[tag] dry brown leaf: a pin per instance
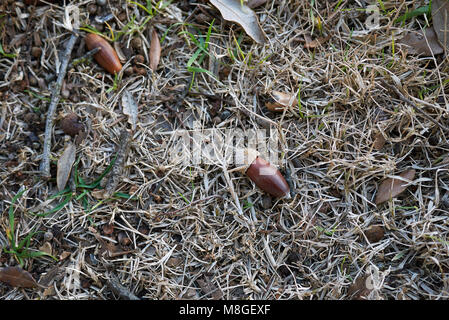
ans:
(256, 3)
(417, 44)
(374, 233)
(65, 164)
(390, 188)
(312, 44)
(155, 50)
(17, 277)
(281, 101)
(358, 290)
(232, 10)
(440, 18)
(379, 141)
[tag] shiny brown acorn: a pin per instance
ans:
(268, 178)
(106, 57)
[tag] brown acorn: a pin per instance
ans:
(106, 57)
(268, 178)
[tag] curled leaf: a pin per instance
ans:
(390, 188)
(233, 10)
(155, 50)
(281, 101)
(65, 164)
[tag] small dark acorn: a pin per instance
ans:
(268, 178)
(106, 57)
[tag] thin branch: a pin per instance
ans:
(55, 96)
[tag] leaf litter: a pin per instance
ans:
(328, 149)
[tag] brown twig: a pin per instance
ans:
(55, 96)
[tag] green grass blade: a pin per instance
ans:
(414, 13)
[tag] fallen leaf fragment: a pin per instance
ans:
(256, 3)
(65, 164)
(17, 277)
(390, 188)
(233, 10)
(374, 233)
(358, 289)
(440, 18)
(130, 108)
(281, 101)
(312, 44)
(417, 43)
(155, 50)
(379, 141)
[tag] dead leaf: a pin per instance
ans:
(374, 233)
(312, 44)
(130, 108)
(440, 18)
(417, 44)
(17, 277)
(379, 141)
(390, 188)
(65, 164)
(155, 50)
(358, 289)
(209, 288)
(281, 101)
(46, 247)
(256, 3)
(232, 10)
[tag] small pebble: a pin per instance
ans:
(101, 2)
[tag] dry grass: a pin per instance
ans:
(311, 246)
